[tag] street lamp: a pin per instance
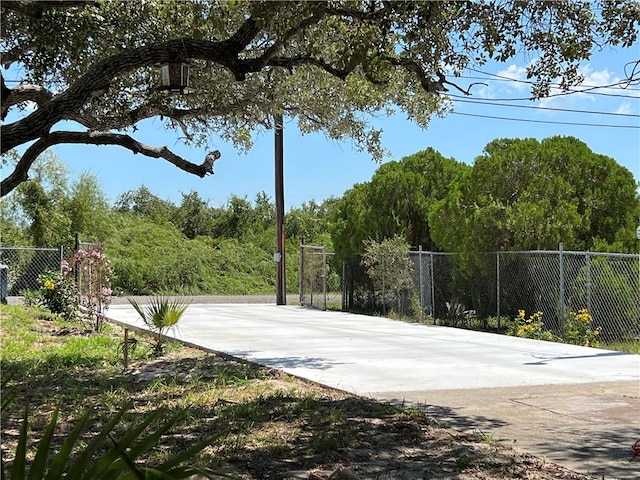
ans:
(175, 77)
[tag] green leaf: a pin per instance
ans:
(19, 463)
(190, 452)
(80, 464)
(153, 439)
(107, 466)
(39, 465)
(62, 457)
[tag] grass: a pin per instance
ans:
(274, 424)
(52, 364)
(628, 346)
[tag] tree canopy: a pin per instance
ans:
(520, 194)
(397, 201)
(96, 63)
(525, 194)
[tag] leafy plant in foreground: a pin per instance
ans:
(104, 457)
(160, 315)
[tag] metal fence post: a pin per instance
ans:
(324, 276)
(301, 274)
(76, 270)
(433, 289)
(562, 313)
(420, 280)
(344, 286)
(498, 286)
(384, 302)
(588, 280)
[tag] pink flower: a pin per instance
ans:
(106, 291)
(66, 268)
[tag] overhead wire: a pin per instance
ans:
(632, 78)
(461, 99)
(560, 94)
(527, 120)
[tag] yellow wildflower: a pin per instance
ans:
(49, 284)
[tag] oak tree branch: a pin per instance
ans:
(20, 172)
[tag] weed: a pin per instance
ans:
(463, 462)
(628, 346)
(487, 438)
(331, 440)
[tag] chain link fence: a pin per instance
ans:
(320, 278)
(557, 283)
(488, 290)
(26, 264)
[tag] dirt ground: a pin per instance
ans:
(348, 437)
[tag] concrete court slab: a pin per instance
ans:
(364, 355)
(577, 406)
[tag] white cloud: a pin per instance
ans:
(498, 85)
(595, 82)
(515, 72)
(624, 108)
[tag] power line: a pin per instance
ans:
(509, 79)
(627, 81)
(461, 99)
(546, 121)
(588, 89)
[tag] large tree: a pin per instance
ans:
(50, 209)
(396, 202)
(527, 194)
(324, 63)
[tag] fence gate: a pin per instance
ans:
(320, 278)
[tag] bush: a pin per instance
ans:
(58, 293)
(532, 327)
(578, 329)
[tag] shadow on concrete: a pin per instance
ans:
(544, 360)
(316, 363)
(604, 453)
(450, 417)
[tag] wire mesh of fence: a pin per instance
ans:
(488, 290)
(26, 264)
(320, 278)
(556, 283)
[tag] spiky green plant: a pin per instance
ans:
(104, 457)
(160, 315)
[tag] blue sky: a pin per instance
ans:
(317, 168)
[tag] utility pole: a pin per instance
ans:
(279, 256)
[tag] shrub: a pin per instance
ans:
(160, 316)
(93, 271)
(578, 329)
(532, 327)
(58, 293)
(389, 268)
